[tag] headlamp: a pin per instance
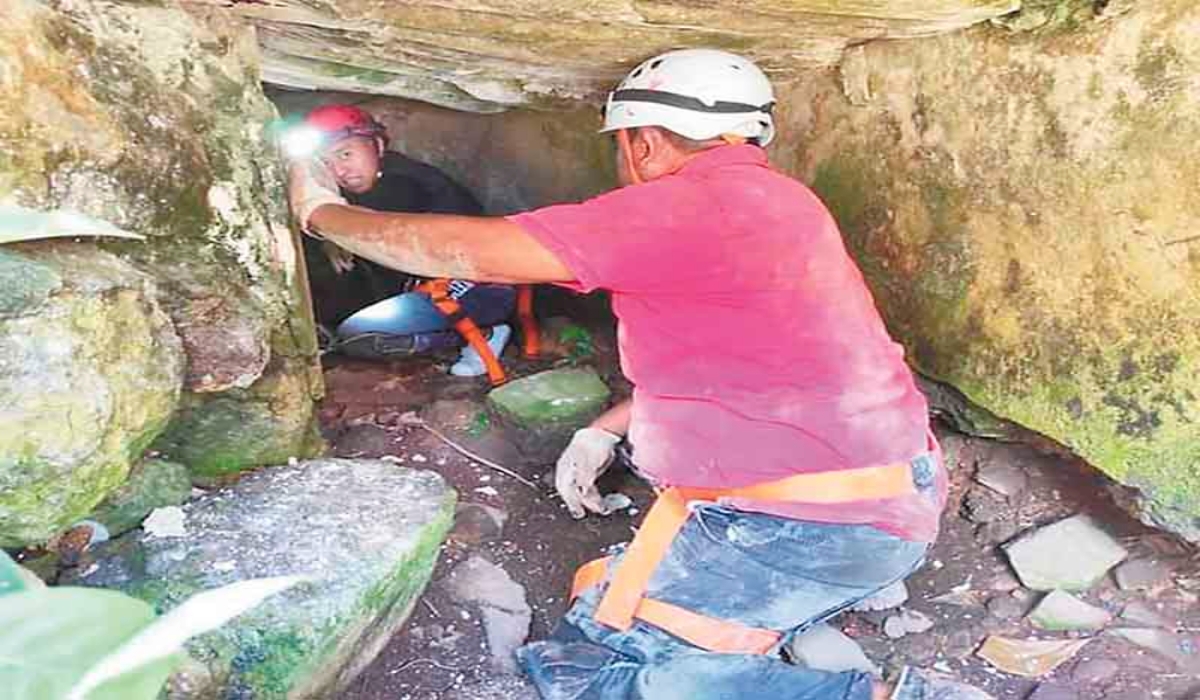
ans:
(301, 141)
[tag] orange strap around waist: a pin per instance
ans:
(625, 597)
(439, 295)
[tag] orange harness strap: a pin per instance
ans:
(439, 294)
(531, 336)
(625, 597)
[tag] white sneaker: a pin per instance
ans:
(470, 364)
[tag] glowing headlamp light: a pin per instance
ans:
(301, 141)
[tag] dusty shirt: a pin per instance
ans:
(753, 343)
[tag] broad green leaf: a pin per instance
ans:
(50, 638)
(11, 580)
(19, 223)
(199, 614)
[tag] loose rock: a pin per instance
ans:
(1179, 649)
(1140, 614)
(1053, 691)
(155, 483)
(825, 648)
(501, 601)
(1005, 478)
(906, 622)
(1060, 612)
(1094, 671)
(1139, 574)
(1071, 555)
(1030, 658)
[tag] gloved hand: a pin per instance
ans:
(310, 185)
(587, 457)
(341, 259)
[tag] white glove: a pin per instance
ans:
(341, 259)
(310, 185)
(587, 457)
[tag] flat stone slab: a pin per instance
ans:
(543, 410)
(1061, 612)
(1070, 555)
(365, 532)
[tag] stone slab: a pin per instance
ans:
(1071, 555)
(366, 533)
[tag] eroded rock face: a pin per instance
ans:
(153, 119)
(90, 372)
(488, 55)
(1025, 209)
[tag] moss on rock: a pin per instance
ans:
(1023, 207)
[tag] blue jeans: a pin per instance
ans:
(758, 570)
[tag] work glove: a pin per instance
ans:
(339, 258)
(310, 185)
(587, 457)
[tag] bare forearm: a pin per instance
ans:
(440, 245)
(616, 419)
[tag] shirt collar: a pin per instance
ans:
(745, 154)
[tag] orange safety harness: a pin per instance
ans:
(439, 294)
(625, 597)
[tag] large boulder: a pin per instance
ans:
(152, 119)
(365, 532)
(1025, 208)
(90, 372)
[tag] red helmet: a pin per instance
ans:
(336, 122)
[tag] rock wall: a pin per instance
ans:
(151, 119)
(1025, 206)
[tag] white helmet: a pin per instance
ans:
(697, 93)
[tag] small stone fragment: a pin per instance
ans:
(825, 648)
(906, 622)
(1094, 671)
(1006, 607)
(1179, 649)
(1030, 658)
(1139, 574)
(475, 523)
(1005, 478)
(1053, 691)
(165, 522)
(893, 596)
(1140, 614)
(501, 601)
(1071, 555)
(1062, 612)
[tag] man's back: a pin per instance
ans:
(753, 342)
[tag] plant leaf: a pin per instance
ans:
(53, 636)
(11, 580)
(199, 614)
(18, 223)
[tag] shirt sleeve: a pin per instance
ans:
(620, 241)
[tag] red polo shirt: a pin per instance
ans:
(753, 343)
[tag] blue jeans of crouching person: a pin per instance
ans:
(757, 570)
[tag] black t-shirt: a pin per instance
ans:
(407, 186)
(410, 186)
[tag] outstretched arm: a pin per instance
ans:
(483, 249)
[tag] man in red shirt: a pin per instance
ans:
(792, 450)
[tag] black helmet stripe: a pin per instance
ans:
(672, 99)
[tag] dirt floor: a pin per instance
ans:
(966, 590)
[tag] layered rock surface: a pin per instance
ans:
(365, 532)
(153, 120)
(90, 372)
(488, 55)
(1024, 207)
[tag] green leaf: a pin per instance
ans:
(52, 637)
(201, 613)
(11, 580)
(19, 223)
